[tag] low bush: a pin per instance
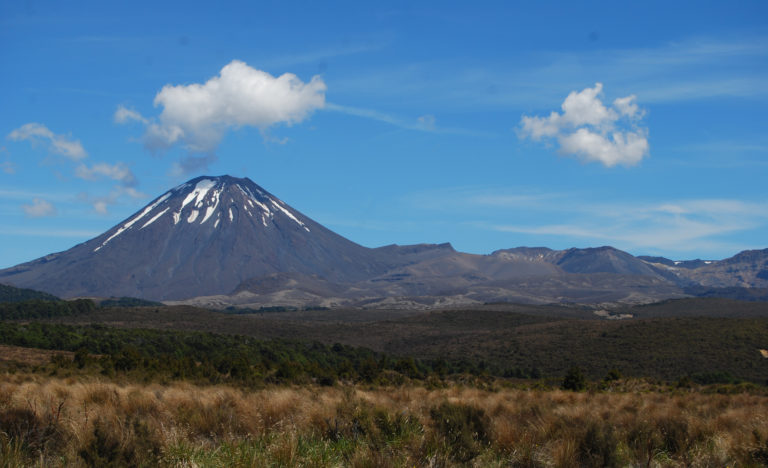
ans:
(464, 429)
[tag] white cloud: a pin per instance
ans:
(100, 207)
(591, 131)
(124, 115)
(626, 148)
(37, 133)
(39, 208)
(198, 115)
(628, 107)
(58, 144)
(162, 137)
(586, 108)
(118, 172)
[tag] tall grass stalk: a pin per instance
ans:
(55, 422)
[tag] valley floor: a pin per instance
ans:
(50, 421)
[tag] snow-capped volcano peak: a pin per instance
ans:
(218, 201)
(203, 237)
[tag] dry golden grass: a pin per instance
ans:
(55, 422)
(32, 356)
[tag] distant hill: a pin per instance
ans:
(689, 264)
(747, 269)
(225, 241)
(13, 294)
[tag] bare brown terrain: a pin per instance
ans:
(31, 356)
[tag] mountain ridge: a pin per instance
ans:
(228, 238)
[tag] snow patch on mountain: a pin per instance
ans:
(154, 218)
(130, 223)
(204, 199)
(289, 214)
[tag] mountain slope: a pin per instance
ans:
(203, 237)
(747, 269)
(225, 240)
(590, 260)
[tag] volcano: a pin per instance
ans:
(204, 237)
(223, 240)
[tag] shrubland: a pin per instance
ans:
(87, 385)
(49, 421)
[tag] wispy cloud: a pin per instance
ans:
(21, 194)
(644, 226)
(693, 69)
(124, 115)
(76, 156)
(381, 117)
(101, 203)
(422, 123)
(6, 165)
(324, 54)
(47, 232)
(39, 208)
(118, 172)
(723, 146)
(471, 198)
(677, 225)
(689, 90)
(36, 133)
(191, 164)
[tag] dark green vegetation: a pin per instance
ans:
(209, 358)
(741, 294)
(705, 340)
(40, 309)
(128, 302)
(11, 294)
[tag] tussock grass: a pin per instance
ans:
(47, 421)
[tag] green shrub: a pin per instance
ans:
(464, 429)
(574, 380)
(612, 375)
(393, 427)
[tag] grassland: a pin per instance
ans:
(53, 422)
(682, 383)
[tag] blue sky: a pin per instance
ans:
(486, 124)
